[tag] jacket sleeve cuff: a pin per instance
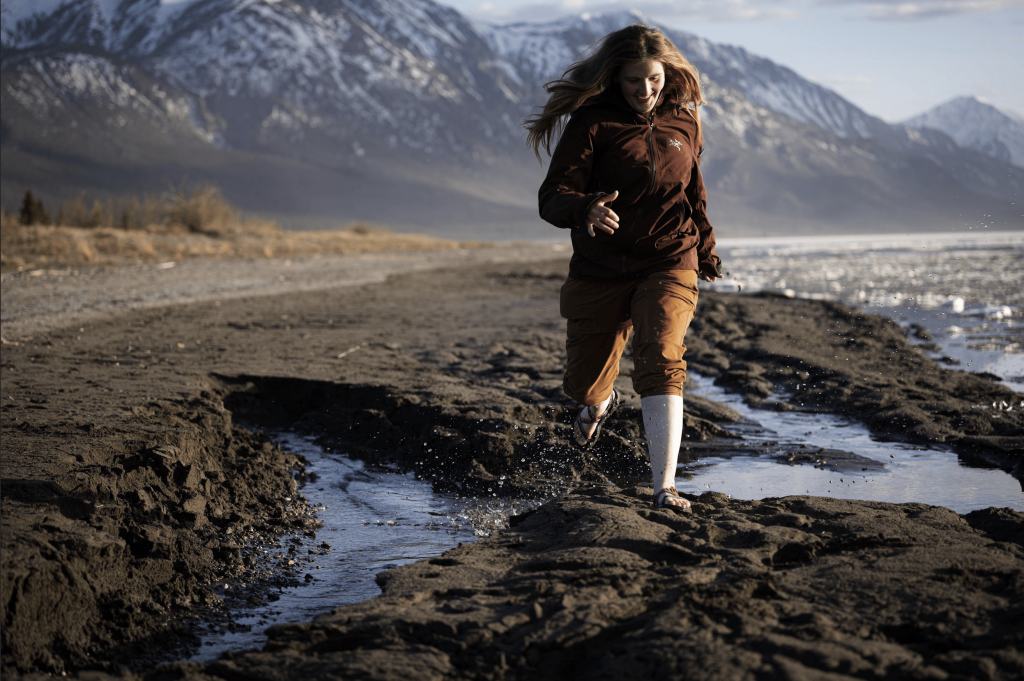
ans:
(711, 265)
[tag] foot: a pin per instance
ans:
(587, 425)
(669, 498)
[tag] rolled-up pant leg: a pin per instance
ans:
(597, 327)
(662, 308)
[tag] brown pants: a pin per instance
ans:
(600, 314)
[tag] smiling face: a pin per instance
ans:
(642, 83)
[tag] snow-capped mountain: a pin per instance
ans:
(976, 124)
(404, 111)
(542, 51)
(318, 65)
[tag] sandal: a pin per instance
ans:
(579, 432)
(662, 497)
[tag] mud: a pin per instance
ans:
(137, 479)
(108, 546)
(601, 586)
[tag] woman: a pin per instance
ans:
(625, 178)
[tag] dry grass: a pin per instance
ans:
(196, 224)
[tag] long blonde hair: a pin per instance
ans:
(593, 74)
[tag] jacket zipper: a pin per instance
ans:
(650, 189)
(650, 148)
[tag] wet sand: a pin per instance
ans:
(134, 459)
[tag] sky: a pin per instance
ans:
(892, 59)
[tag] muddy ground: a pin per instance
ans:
(137, 476)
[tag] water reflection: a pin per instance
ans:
(899, 472)
(373, 520)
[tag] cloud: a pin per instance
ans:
(734, 11)
(921, 9)
(695, 11)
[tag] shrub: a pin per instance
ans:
(76, 212)
(32, 211)
(203, 210)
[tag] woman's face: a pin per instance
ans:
(642, 83)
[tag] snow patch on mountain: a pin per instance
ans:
(543, 51)
(976, 124)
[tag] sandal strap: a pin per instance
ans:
(582, 421)
(666, 492)
(590, 418)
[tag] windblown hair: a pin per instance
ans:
(589, 77)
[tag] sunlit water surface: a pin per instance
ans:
(965, 289)
(373, 520)
(897, 472)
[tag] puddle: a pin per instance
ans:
(972, 342)
(373, 520)
(899, 472)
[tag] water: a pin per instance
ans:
(975, 342)
(897, 472)
(374, 520)
(966, 289)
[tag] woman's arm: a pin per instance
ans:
(709, 264)
(562, 198)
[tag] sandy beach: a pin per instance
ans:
(137, 467)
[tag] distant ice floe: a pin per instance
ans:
(965, 289)
(954, 303)
(995, 312)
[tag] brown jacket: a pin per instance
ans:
(654, 165)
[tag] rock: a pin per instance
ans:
(195, 504)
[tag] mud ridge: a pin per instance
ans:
(111, 559)
(598, 585)
(516, 448)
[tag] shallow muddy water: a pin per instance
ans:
(373, 520)
(896, 472)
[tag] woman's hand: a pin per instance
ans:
(601, 216)
(711, 270)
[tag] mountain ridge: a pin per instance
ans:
(380, 106)
(976, 124)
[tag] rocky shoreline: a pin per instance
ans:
(136, 475)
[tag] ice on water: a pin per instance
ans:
(967, 290)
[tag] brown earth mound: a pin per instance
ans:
(128, 527)
(130, 486)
